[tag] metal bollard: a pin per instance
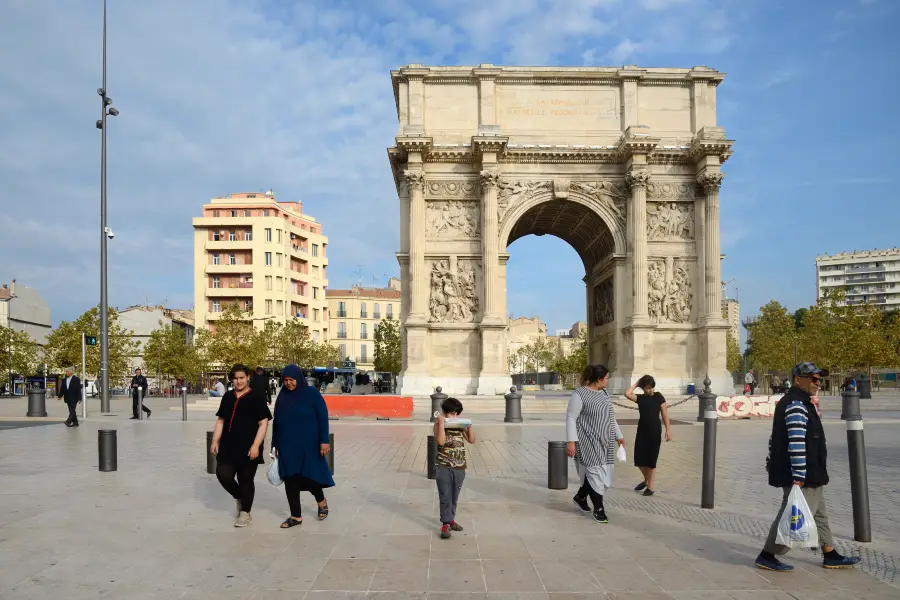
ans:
(37, 403)
(513, 406)
(431, 457)
(330, 456)
(210, 457)
(706, 400)
(859, 479)
(184, 404)
(557, 466)
(106, 447)
(436, 398)
(140, 394)
(710, 422)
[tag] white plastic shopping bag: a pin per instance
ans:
(797, 528)
(620, 454)
(272, 474)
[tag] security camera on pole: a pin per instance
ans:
(106, 108)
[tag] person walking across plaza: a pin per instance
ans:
(243, 419)
(797, 456)
(139, 382)
(450, 464)
(70, 392)
(750, 381)
(651, 405)
(260, 383)
(593, 435)
(300, 443)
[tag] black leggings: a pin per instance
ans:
(295, 484)
(242, 489)
(586, 490)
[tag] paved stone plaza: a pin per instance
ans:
(161, 527)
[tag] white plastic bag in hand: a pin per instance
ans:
(620, 454)
(272, 474)
(797, 528)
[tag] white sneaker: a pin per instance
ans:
(238, 508)
(243, 519)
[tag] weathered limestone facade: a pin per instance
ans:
(622, 163)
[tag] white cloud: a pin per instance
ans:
(624, 50)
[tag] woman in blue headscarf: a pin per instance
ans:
(300, 441)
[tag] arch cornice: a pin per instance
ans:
(603, 205)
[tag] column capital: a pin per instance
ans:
(710, 180)
(637, 178)
(490, 178)
(415, 179)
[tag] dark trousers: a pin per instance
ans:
(295, 484)
(586, 490)
(449, 484)
(73, 412)
(243, 489)
(134, 406)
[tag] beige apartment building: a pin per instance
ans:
(731, 312)
(354, 315)
(266, 255)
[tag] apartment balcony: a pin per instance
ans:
(342, 314)
(376, 315)
(364, 360)
(226, 245)
(224, 268)
(227, 291)
(342, 335)
(363, 315)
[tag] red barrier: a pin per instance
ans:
(375, 406)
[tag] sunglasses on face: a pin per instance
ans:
(815, 380)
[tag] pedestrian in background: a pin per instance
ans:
(750, 381)
(243, 419)
(260, 384)
(300, 442)
(651, 405)
(139, 382)
(70, 392)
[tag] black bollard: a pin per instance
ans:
(37, 403)
(859, 479)
(557, 466)
(706, 400)
(106, 446)
(710, 422)
(330, 456)
(184, 404)
(513, 406)
(436, 398)
(210, 457)
(430, 466)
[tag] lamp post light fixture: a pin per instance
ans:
(106, 108)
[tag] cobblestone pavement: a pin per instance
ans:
(160, 527)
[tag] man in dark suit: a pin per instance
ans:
(259, 383)
(70, 392)
(139, 382)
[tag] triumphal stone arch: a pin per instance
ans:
(621, 163)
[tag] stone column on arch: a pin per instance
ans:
(490, 179)
(711, 181)
(415, 180)
(637, 179)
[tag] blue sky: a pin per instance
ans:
(218, 96)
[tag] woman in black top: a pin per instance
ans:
(647, 441)
(243, 419)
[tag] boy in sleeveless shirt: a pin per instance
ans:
(450, 471)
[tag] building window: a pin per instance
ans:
(316, 336)
(248, 235)
(279, 236)
(234, 213)
(279, 259)
(342, 348)
(315, 249)
(279, 307)
(363, 353)
(232, 236)
(363, 313)
(216, 306)
(246, 213)
(215, 213)
(376, 311)
(268, 234)
(265, 212)
(248, 306)
(342, 330)
(268, 259)
(363, 331)
(279, 284)
(217, 237)
(217, 282)
(268, 283)
(232, 259)
(390, 311)
(342, 310)
(268, 307)
(315, 293)
(316, 315)
(215, 258)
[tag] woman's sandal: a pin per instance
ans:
(323, 512)
(291, 522)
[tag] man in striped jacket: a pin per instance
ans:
(797, 455)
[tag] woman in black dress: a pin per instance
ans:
(647, 441)
(243, 419)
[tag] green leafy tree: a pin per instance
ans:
(18, 353)
(733, 353)
(236, 340)
(388, 355)
(168, 355)
(63, 347)
(294, 344)
(576, 360)
(773, 336)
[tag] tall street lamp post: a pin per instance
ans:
(106, 108)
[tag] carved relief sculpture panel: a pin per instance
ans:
(606, 193)
(670, 221)
(514, 192)
(604, 311)
(452, 219)
(452, 189)
(669, 284)
(454, 295)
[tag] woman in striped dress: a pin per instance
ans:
(593, 436)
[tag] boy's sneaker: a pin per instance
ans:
(455, 526)
(600, 515)
(243, 519)
(582, 503)
(445, 531)
(772, 564)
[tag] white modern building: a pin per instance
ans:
(23, 309)
(870, 276)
